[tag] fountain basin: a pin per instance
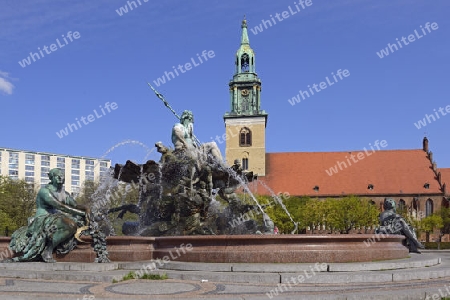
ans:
(283, 248)
(243, 248)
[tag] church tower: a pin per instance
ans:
(245, 123)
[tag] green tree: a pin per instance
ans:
(335, 214)
(341, 214)
(88, 189)
(430, 223)
(118, 195)
(313, 213)
(6, 223)
(276, 212)
(17, 203)
(444, 212)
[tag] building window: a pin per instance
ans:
(13, 160)
(75, 172)
(103, 171)
(75, 163)
(45, 157)
(29, 179)
(245, 137)
(44, 172)
(13, 155)
(14, 166)
(89, 162)
(14, 174)
(245, 63)
(61, 163)
(401, 206)
(245, 164)
(415, 204)
(89, 175)
(29, 159)
(104, 164)
(45, 163)
(428, 207)
(75, 182)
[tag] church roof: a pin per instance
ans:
(383, 172)
(445, 177)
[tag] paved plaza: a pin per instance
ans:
(417, 277)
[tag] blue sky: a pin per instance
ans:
(114, 56)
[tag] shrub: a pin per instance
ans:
(434, 245)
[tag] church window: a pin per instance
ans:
(401, 206)
(245, 164)
(245, 137)
(428, 207)
(415, 204)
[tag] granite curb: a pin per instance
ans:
(417, 267)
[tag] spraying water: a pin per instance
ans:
(103, 197)
(239, 179)
(279, 201)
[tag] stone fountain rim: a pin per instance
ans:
(328, 237)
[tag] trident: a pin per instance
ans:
(161, 97)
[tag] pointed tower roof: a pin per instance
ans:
(245, 42)
(244, 39)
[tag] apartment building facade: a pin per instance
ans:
(33, 167)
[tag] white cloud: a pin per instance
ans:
(5, 86)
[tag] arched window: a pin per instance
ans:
(428, 207)
(415, 204)
(245, 164)
(245, 137)
(245, 63)
(401, 206)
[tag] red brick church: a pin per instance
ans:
(410, 177)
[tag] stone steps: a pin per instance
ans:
(418, 267)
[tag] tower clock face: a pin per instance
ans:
(245, 93)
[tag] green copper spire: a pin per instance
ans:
(245, 87)
(244, 39)
(245, 56)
